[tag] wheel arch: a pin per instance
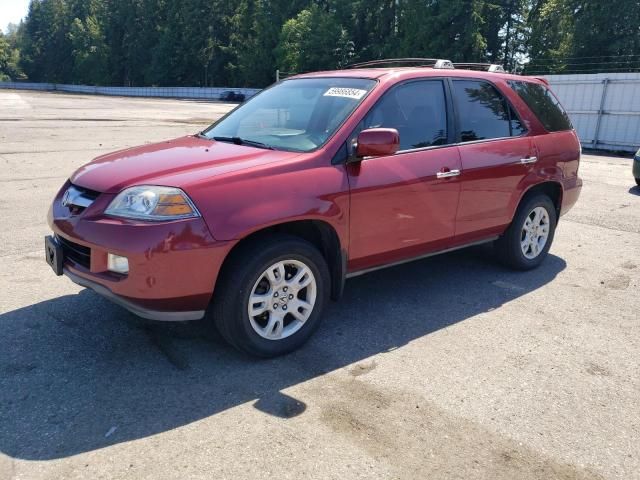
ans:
(553, 189)
(319, 233)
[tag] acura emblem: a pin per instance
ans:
(66, 198)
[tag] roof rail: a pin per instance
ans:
(489, 67)
(428, 62)
(419, 62)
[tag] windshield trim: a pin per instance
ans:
(376, 81)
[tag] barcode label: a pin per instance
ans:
(354, 93)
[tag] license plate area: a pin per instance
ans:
(53, 254)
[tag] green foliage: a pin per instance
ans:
(89, 51)
(254, 37)
(45, 47)
(585, 36)
(552, 39)
(10, 56)
(312, 40)
(243, 42)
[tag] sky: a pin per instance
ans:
(12, 11)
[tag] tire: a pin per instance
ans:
(246, 274)
(513, 243)
(638, 181)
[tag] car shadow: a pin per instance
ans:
(635, 190)
(78, 373)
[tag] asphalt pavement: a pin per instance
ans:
(450, 367)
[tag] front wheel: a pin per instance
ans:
(271, 296)
(528, 239)
(638, 181)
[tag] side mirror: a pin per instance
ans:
(377, 142)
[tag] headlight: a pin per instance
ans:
(152, 203)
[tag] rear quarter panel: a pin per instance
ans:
(558, 159)
(560, 154)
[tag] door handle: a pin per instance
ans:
(526, 161)
(448, 174)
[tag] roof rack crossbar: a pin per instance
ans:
(489, 67)
(425, 62)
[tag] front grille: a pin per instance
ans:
(77, 253)
(78, 199)
(92, 194)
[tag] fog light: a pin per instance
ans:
(117, 264)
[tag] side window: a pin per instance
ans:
(483, 112)
(417, 110)
(544, 104)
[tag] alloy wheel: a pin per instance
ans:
(535, 233)
(282, 299)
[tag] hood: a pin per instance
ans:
(172, 163)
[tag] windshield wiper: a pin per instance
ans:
(243, 141)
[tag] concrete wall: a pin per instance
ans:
(212, 93)
(604, 108)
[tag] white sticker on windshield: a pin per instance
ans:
(354, 93)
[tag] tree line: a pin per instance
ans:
(243, 42)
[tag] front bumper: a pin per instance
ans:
(131, 306)
(173, 266)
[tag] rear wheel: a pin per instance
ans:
(271, 297)
(528, 239)
(638, 181)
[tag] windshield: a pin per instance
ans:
(298, 115)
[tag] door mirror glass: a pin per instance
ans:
(377, 142)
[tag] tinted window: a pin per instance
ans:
(483, 112)
(545, 106)
(417, 110)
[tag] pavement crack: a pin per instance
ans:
(29, 179)
(601, 226)
(17, 152)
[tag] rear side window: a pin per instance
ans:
(544, 104)
(483, 112)
(417, 110)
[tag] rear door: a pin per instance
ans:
(495, 153)
(403, 205)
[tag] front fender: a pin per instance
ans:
(239, 205)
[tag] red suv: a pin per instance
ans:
(319, 178)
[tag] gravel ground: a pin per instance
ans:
(450, 367)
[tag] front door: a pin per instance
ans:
(404, 205)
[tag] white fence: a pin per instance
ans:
(604, 108)
(211, 93)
